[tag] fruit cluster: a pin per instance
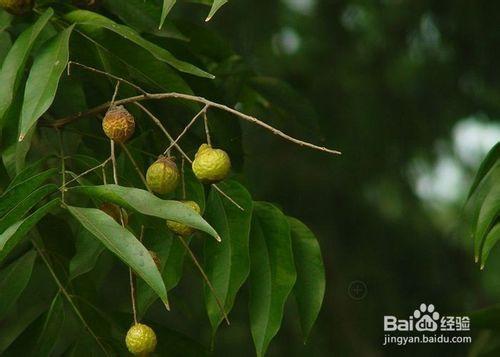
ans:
(162, 177)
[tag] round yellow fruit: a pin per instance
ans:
(162, 176)
(17, 7)
(140, 339)
(182, 229)
(211, 165)
(118, 124)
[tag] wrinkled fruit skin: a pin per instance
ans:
(156, 259)
(140, 339)
(211, 165)
(118, 124)
(17, 7)
(162, 176)
(114, 211)
(182, 229)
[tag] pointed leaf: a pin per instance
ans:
(43, 80)
(15, 233)
(489, 212)
(309, 288)
(143, 16)
(272, 273)
(172, 254)
(20, 208)
(14, 279)
(489, 161)
(52, 326)
(18, 192)
(83, 17)
(30, 171)
(88, 251)
(489, 242)
(167, 6)
(227, 264)
(15, 62)
(146, 203)
(216, 5)
(122, 243)
(16, 323)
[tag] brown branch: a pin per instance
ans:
(184, 131)
(159, 96)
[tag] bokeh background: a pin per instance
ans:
(410, 92)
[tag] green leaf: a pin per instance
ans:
(30, 171)
(143, 16)
(14, 279)
(88, 251)
(21, 190)
(490, 241)
(489, 161)
(146, 203)
(272, 273)
(167, 6)
(489, 212)
(20, 208)
(122, 243)
(88, 18)
(227, 264)
(309, 288)
(15, 62)
(487, 318)
(171, 253)
(51, 329)
(216, 5)
(15, 324)
(15, 233)
(43, 80)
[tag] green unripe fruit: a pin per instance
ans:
(211, 165)
(162, 176)
(118, 124)
(140, 339)
(17, 7)
(182, 229)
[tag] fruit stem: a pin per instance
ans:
(184, 131)
(205, 277)
(141, 175)
(207, 131)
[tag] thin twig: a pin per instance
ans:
(183, 161)
(184, 155)
(92, 69)
(207, 131)
(184, 131)
(102, 164)
(63, 166)
(68, 297)
(227, 196)
(115, 93)
(167, 134)
(113, 161)
(141, 175)
(205, 277)
(193, 98)
(131, 273)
